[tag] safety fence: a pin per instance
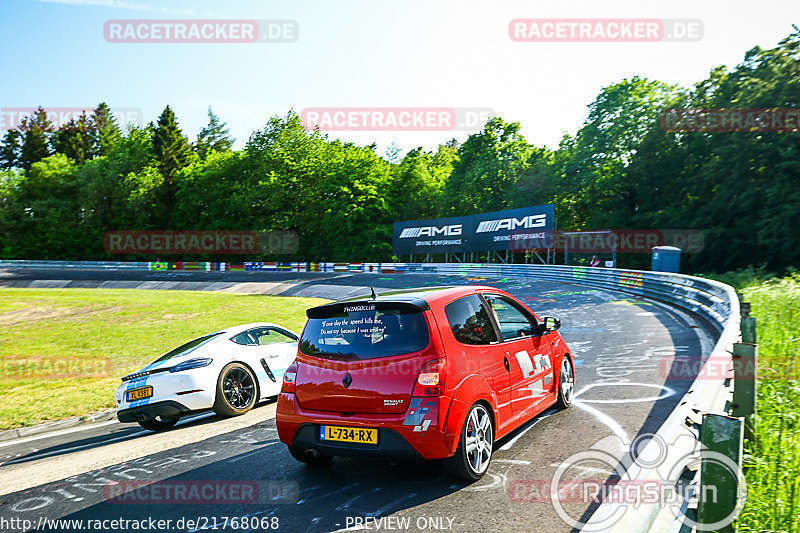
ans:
(709, 404)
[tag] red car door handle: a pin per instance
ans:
(505, 364)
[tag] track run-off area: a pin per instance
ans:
(623, 348)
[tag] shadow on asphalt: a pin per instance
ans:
(126, 432)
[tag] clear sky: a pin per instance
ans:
(363, 53)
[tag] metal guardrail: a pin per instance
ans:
(714, 302)
(73, 265)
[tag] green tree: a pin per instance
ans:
(9, 211)
(74, 139)
(214, 137)
(44, 221)
(105, 132)
(213, 195)
(36, 130)
(595, 170)
(488, 167)
(752, 174)
(10, 150)
(354, 204)
(117, 190)
(171, 152)
(283, 177)
(416, 184)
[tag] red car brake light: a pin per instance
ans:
(289, 378)
(430, 381)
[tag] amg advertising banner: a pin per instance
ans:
(500, 230)
(440, 235)
(512, 229)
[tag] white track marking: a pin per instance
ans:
(508, 445)
(108, 441)
(586, 468)
(666, 392)
(351, 501)
(248, 455)
(20, 476)
(319, 497)
(32, 438)
(612, 424)
(390, 505)
(498, 480)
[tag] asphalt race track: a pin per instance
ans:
(623, 348)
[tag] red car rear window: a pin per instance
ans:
(365, 334)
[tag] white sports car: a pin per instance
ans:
(227, 371)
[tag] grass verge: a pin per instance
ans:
(772, 458)
(62, 351)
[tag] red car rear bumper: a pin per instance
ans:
(413, 434)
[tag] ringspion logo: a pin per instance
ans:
(596, 475)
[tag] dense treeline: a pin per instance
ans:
(61, 189)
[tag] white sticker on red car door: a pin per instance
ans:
(542, 362)
(525, 363)
(537, 387)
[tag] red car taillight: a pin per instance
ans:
(430, 381)
(288, 378)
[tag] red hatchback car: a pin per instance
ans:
(432, 374)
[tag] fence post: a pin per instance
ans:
(720, 480)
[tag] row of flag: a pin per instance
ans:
(264, 266)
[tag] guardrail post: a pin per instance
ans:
(721, 437)
(748, 325)
(745, 383)
(745, 368)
